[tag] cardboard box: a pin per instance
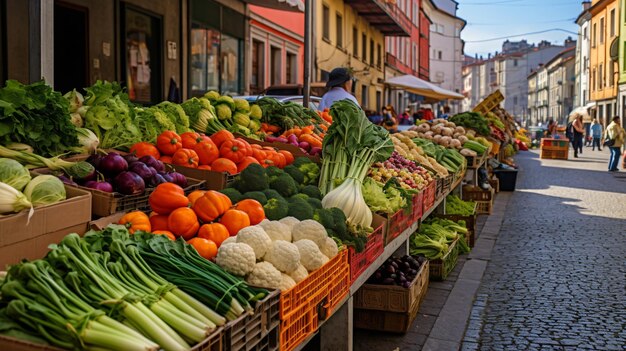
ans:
(20, 238)
(214, 180)
(105, 204)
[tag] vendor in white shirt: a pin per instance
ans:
(340, 84)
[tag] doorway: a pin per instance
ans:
(71, 43)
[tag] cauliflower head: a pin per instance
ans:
(265, 275)
(329, 247)
(257, 238)
(230, 239)
(284, 255)
(277, 230)
(299, 274)
(236, 258)
(286, 282)
(290, 221)
(309, 229)
(310, 255)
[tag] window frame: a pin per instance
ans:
(612, 22)
(355, 41)
(325, 22)
(371, 52)
(602, 28)
(339, 30)
(364, 46)
(258, 44)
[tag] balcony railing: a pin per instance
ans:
(384, 15)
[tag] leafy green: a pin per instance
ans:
(111, 116)
(472, 120)
(38, 116)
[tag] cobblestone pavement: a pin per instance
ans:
(557, 276)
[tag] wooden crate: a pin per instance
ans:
(392, 298)
(554, 153)
(408, 302)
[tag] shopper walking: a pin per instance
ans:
(596, 134)
(614, 139)
(578, 132)
(340, 83)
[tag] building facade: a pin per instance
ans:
(403, 54)
(561, 81)
(582, 56)
(446, 48)
(351, 34)
(603, 55)
(276, 48)
(512, 72)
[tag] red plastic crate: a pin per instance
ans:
(429, 196)
(418, 207)
(396, 224)
(373, 248)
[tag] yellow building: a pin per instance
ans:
(603, 56)
(351, 33)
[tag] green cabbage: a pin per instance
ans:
(45, 190)
(13, 173)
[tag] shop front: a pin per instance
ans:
(216, 48)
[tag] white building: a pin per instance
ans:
(582, 56)
(561, 79)
(512, 71)
(446, 48)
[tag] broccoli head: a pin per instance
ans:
(315, 203)
(299, 196)
(273, 172)
(254, 178)
(341, 227)
(276, 209)
(295, 173)
(242, 105)
(285, 185)
(299, 161)
(300, 209)
(271, 194)
(325, 217)
(255, 195)
(233, 194)
(312, 191)
(311, 173)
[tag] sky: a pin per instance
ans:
(489, 19)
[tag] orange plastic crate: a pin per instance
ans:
(359, 261)
(313, 299)
(312, 290)
(396, 224)
(297, 327)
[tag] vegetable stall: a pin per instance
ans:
(219, 224)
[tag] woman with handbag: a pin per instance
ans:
(614, 139)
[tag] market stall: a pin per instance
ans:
(218, 224)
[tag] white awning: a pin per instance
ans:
(421, 87)
(285, 5)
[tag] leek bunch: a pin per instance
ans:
(351, 145)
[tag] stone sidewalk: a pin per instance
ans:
(548, 271)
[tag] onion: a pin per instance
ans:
(112, 164)
(129, 183)
(153, 162)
